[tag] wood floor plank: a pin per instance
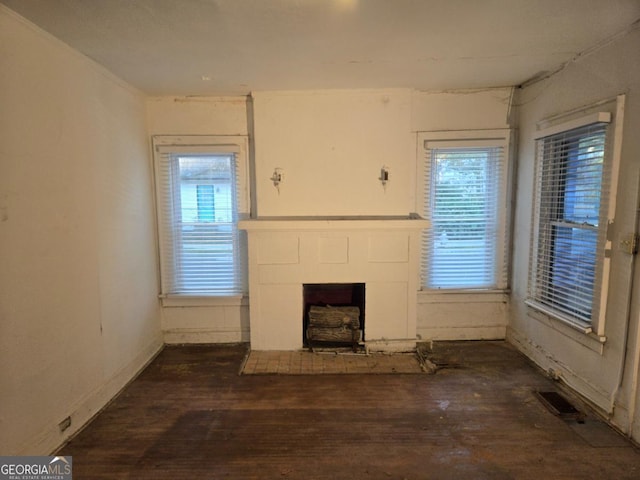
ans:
(190, 415)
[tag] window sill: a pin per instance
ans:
(170, 301)
(581, 334)
(459, 296)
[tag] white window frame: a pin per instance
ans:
(204, 144)
(469, 139)
(606, 217)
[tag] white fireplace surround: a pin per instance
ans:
(383, 252)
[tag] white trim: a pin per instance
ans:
(198, 149)
(500, 134)
(298, 224)
(563, 116)
(169, 301)
(489, 138)
(555, 315)
(429, 296)
(561, 371)
(91, 404)
(465, 143)
(199, 336)
(611, 210)
(598, 117)
(463, 332)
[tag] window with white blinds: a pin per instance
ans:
(465, 186)
(201, 248)
(569, 226)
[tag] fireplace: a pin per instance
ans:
(334, 315)
(379, 254)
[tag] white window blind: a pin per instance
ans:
(569, 222)
(465, 200)
(201, 248)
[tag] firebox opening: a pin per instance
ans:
(333, 314)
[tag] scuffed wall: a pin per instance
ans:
(605, 369)
(331, 145)
(202, 320)
(79, 316)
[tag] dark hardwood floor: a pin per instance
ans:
(189, 415)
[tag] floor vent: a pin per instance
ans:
(560, 406)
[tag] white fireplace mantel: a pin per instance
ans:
(370, 222)
(383, 252)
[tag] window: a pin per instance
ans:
(199, 196)
(206, 201)
(465, 199)
(569, 231)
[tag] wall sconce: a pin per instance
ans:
(384, 176)
(277, 177)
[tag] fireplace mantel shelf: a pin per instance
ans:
(368, 222)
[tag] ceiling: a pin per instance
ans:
(227, 47)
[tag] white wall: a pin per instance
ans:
(78, 309)
(201, 320)
(460, 315)
(593, 369)
(461, 110)
(331, 145)
(197, 115)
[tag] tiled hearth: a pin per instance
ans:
(287, 252)
(273, 362)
